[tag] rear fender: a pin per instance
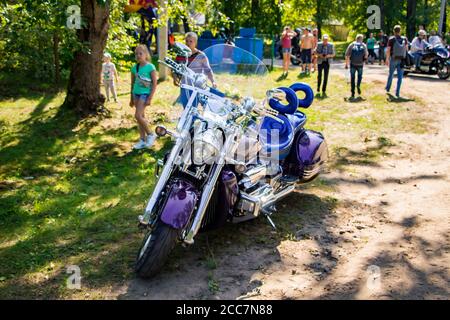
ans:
(307, 156)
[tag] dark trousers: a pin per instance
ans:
(325, 68)
(381, 54)
(353, 70)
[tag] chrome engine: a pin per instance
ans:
(260, 188)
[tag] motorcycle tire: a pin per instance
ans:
(295, 62)
(155, 250)
(444, 75)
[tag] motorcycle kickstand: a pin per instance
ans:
(267, 213)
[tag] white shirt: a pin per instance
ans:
(108, 70)
(418, 45)
(434, 40)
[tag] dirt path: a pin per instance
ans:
(387, 239)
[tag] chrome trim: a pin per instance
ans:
(206, 197)
(184, 125)
(263, 199)
(253, 176)
(229, 147)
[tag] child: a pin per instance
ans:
(143, 86)
(109, 72)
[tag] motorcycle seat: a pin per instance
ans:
(276, 137)
(298, 120)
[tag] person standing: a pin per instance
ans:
(356, 54)
(395, 55)
(286, 44)
(307, 45)
(144, 81)
(315, 33)
(324, 52)
(371, 48)
(109, 73)
(197, 62)
(382, 44)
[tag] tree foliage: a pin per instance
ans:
(35, 42)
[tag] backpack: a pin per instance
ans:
(399, 50)
(358, 54)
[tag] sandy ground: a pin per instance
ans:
(388, 239)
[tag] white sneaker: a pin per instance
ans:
(140, 145)
(150, 141)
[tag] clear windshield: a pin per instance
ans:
(236, 73)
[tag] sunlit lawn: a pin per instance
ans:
(70, 191)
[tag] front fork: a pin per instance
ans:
(186, 121)
(228, 149)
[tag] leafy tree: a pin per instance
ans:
(35, 39)
(83, 92)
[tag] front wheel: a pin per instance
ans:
(155, 249)
(295, 61)
(443, 71)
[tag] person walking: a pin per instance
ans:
(144, 81)
(324, 52)
(355, 55)
(395, 55)
(286, 44)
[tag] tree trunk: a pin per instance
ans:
(279, 17)
(319, 17)
(56, 40)
(254, 21)
(411, 18)
(83, 93)
(381, 5)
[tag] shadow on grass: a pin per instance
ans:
(102, 240)
(369, 156)
(354, 100)
(392, 98)
(16, 86)
(222, 262)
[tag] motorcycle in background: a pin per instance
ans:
(234, 155)
(435, 61)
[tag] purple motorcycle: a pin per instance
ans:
(236, 152)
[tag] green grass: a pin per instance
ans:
(70, 191)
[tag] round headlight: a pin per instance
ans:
(206, 147)
(204, 153)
